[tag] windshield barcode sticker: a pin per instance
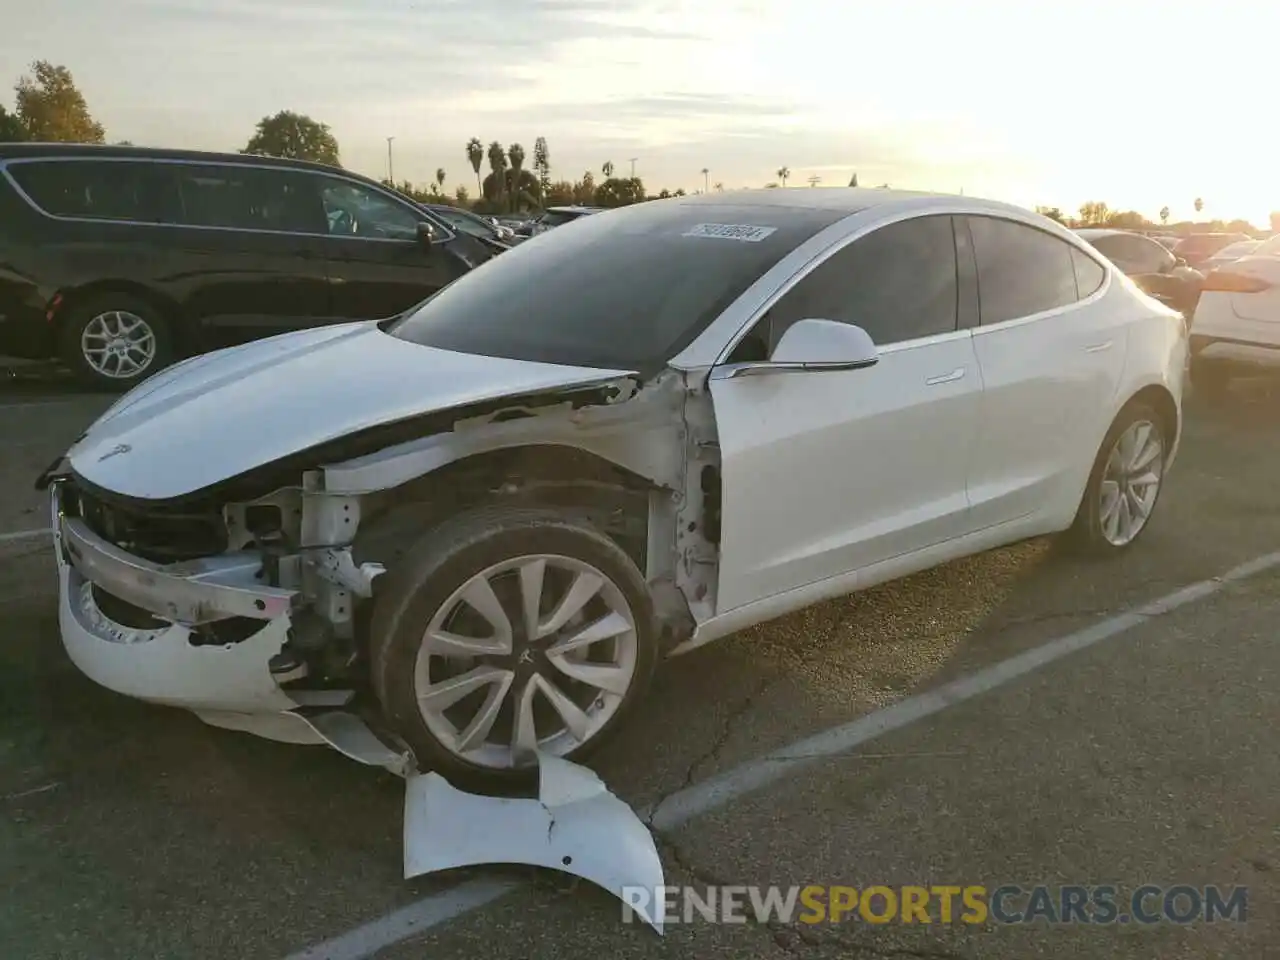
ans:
(731, 231)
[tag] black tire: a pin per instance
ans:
(446, 557)
(1210, 381)
(1085, 535)
(80, 315)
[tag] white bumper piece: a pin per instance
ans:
(575, 825)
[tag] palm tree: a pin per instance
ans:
(706, 180)
(475, 156)
(1164, 214)
(515, 153)
(440, 177)
(607, 169)
(783, 173)
(1199, 204)
(498, 164)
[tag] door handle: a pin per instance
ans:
(951, 377)
(1098, 347)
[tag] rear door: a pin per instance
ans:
(248, 249)
(1051, 356)
(376, 264)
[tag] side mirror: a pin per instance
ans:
(816, 345)
(426, 234)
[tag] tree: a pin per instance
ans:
(558, 194)
(1128, 220)
(607, 169)
(515, 153)
(719, 187)
(584, 191)
(497, 173)
(853, 181)
(783, 173)
(1199, 204)
(1164, 214)
(51, 108)
(542, 166)
(1053, 213)
(461, 195)
(440, 176)
(510, 190)
(295, 136)
(1094, 212)
(475, 156)
(12, 129)
(679, 193)
(619, 192)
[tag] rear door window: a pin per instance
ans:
(1022, 270)
(250, 198)
(122, 190)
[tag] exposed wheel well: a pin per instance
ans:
(612, 497)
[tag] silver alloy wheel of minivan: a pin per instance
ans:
(118, 344)
(535, 651)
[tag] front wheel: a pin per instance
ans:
(1125, 483)
(510, 629)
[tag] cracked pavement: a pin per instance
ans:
(129, 831)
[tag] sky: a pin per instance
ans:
(1138, 104)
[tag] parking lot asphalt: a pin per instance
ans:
(129, 831)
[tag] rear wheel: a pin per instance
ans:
(115, 341)
(1125, 483)
(509, 629)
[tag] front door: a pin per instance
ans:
(827, 472)
(376, 264)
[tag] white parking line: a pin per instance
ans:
(25, 535)
(718, 791)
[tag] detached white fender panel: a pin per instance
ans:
(575, 826)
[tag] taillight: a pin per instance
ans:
(1224, 281)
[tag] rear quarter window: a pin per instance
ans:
(118, 190)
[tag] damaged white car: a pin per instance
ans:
(464, 536)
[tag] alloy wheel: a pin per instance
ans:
(118, 344)
(1131, 482)
(535, 652)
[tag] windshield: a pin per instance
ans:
(472, 225)
(625, 289)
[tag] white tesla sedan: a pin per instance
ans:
(471, 530)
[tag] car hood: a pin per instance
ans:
(223, 414)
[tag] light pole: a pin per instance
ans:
(632, 161)
(391, 173)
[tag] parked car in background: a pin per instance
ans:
(1199, 247)
(1229, 254)
(119, 260)
(1152, 266)
(554, 217)
(484, 228)
(706, 413)
(1236, 327)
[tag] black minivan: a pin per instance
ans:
(120, 260)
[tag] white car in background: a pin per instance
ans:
(474, 529)
(1230, 254)
(1236, 327)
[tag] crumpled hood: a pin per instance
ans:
(222, 414)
